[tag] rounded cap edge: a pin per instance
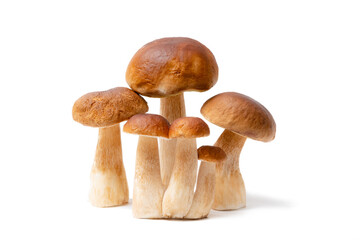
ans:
(189, 127)
(172, 65)
(211, 154)
(107, 108)
(147, 125)
(240, 114)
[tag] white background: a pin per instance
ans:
(301, 59)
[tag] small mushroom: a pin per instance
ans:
(179, 194)
(165, 68)
(205, 187)
(148, 188)
(242, 117)
(106, 110)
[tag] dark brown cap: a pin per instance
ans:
(148, 125)
(169, 66)
(240, 114)
(211, 154)
(106, 108)
(189, 127)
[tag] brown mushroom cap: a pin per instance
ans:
(148, 125)
(189, 127)
(106, 108)
(211, 154)
(169, 66)
(240, 114)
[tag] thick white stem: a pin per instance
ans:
(148, 187)
(171, 108)
(205, 192)
(108, 185)
(230, 189)
(179, 194)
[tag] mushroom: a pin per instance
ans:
(106, 110)
(165, 68)
(205, 187)
(242, 117)
(179, 194)
(148, 188)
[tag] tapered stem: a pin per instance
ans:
(179, 194)
(148, 187)
(171, 108)
(230, 189)
(205, 192)
(108, 178)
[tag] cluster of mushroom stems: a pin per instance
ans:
(166, 167)
(151, 197)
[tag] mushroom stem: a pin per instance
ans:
(108, 185)
(148, 187)
(179, 194)
(205, 191)
(230, 189)
(171, 108)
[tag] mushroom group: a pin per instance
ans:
(168, 182)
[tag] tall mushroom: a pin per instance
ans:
(148, 187)
(179, 194)
(205, 187)
(242, 117)
(106, 110)
(165, 68)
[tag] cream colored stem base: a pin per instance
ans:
(230, 192)
(230, 189)
(107, 188)
(171, 108)
(179, 194)
(205, 192)
(108, 178)
(148, 187)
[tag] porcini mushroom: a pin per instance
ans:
(165, 68)
(179, 194)
(242, 117)
(205, 187)
(106, 110)
(148, 188)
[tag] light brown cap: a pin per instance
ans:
(211, 154)
(240, 114)
(169, 66)
(189, 127)
(148, 125)
(106, 108)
